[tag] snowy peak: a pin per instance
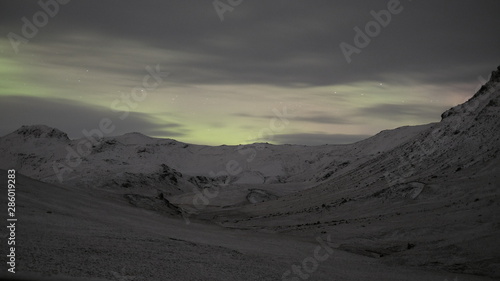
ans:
(487, 95)
(40, 131)
(134, 138)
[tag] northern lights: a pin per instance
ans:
(226, 80)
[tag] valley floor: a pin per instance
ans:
(76, 234)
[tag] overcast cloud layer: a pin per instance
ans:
(225, 81)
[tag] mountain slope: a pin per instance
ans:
(433, 201)
(136, 160)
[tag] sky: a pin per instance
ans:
(241, 71)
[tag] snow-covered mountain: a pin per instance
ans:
(134, 159)
(432, 201)
(426, 196)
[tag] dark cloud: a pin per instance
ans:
(325, 119)
(318, 139)
(305, 117)
(287, 42)
(56, 112)
(394, 111)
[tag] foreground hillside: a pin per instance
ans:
(68, 233)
